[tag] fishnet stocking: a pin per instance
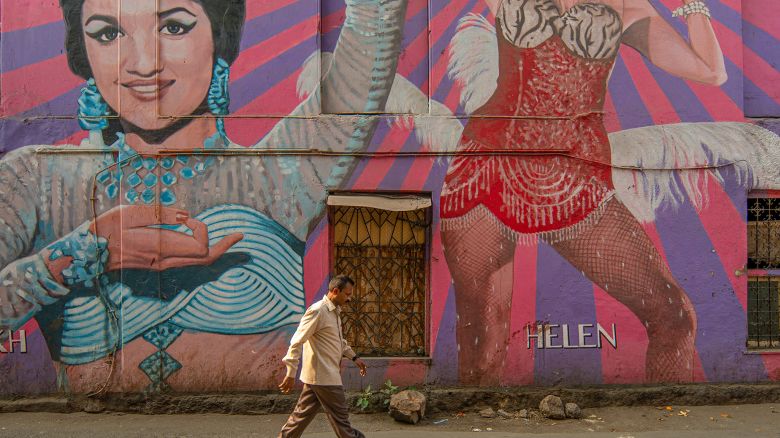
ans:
(617, 255)
(480, 259)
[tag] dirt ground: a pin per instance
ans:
(761, 420)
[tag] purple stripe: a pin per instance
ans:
(733, 86)
(730, 19)
(265, 26)
(444, 369)
(331, 6)
(265, 77)
(414, 27)
(27, 46)
(437, 5)
(564, 296)
(722, 325)
(688, 107)
(27, 129)
(314, 235)
(765, 45)
(395, 176)
(725, 15)
(758, 103)
(439, 50)
(382, 131)
(628, 104)
(328, 40)
(28, 373)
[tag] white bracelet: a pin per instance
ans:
(697, 7)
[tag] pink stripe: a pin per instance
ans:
(316, 266)
(655, 100)
(725, 228)
(763, 14)
(259, 54)
(717, 102)
(437, 26)
(627, 363)
(760, 72)
(403, 372)
(519, 368)
(24, 14)
(417, 50)
(281, 99)
(262, 7)
(376, 169)
(333, 21)
(441, 279)
(74, 139)
(32, 85)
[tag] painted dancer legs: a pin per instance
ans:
(617, 255)
(480, 259)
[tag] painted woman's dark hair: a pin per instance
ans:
(226, 17)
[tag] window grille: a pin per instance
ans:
(386, 253)
(764, 273)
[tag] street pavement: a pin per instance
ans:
(740, 421)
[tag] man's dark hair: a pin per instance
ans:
(340, 282)
(226, 17)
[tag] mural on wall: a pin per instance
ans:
(182, 252)
(551, 67)
(555, 225)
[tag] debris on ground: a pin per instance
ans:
(487, 413)
(504, 414)
(552, 407)
(572, 410)
(522, 413)
(407, 406)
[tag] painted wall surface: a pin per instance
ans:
(591, 228)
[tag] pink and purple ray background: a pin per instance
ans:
(38, 102)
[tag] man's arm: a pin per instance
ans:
(306, 328)
(347, 352)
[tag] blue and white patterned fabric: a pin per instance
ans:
(259, 295)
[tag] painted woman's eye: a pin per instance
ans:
(176, 28)
(106, 34)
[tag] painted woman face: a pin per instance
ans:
(150, 58)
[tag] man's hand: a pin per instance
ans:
(287, 384)
(362, 365)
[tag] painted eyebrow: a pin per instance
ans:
(172, 11)
(107, 18)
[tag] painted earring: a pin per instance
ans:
(219, 98)
(92, 108)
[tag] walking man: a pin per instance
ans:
(319, 335)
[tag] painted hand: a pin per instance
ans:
(287, 384)
(135, 242)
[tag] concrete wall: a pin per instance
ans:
(637, 238)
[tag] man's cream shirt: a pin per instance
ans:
(319, 332)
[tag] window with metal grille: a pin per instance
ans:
(386, 253)
(763, 273)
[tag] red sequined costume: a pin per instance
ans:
(548, 104)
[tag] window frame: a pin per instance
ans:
(428, 254)
(768, 274)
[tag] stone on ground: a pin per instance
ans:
(572, 410)
(552, 407)
(487, 413)
(522, 413)
(503, 414)
(407, 406)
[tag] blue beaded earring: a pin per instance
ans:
(219, 98)
(92, 108)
